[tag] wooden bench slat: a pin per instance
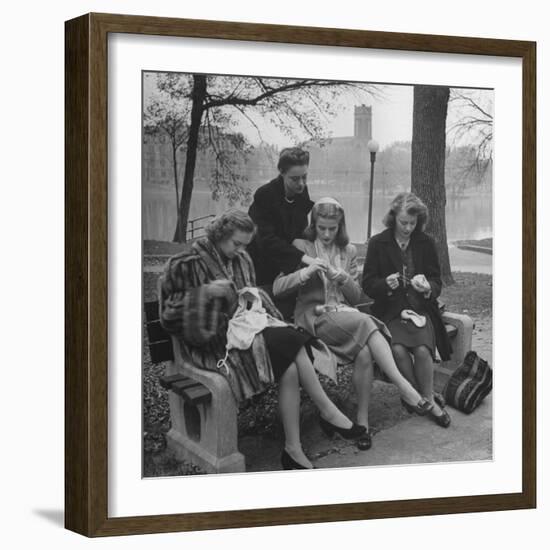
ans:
(160, 343)
(180, 386)
(156, 332)
(197, 394)
(151, 311)
(161, 351)
(167, 380)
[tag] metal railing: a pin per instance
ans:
(193, 228)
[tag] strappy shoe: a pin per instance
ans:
(422, 408)
(443, 419)
(347, 433)
(364, 442)
(439, 400)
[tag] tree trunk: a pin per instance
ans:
(175, 166)
(428, 164)
(198, 97)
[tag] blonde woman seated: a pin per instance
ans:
(211, 270)
(326, 294)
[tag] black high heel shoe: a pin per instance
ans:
(443, 419)
(288, 463)
(347, 433)
(422, 408)
(364, 442)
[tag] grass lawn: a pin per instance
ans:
(471, 294)
(151, 248)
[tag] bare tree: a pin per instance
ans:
(472, 125)
(165, 116)
(428, 164)
(218, 104)
(463, 170)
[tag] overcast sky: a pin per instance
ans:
(392, 117)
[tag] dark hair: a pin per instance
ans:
(224, 225)
(333, 212)
(410, 204)
(292, 156)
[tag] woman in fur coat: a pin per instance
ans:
(197, 298)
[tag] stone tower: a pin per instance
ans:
(363, 122)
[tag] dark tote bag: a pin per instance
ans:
(469, 384)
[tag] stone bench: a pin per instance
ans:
(203, 431)
(203, 411)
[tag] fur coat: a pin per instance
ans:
(199, 321)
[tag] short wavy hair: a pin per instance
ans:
(224, 225)
(292, 156)
(410, 204)
(329, 211)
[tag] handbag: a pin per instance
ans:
(469, 384)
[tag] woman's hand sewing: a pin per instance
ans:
(314, 268)
(337, 275)
(308, 260)
(421, 284)
(393, 280)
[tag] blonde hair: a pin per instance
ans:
(224, 225)
(330, 210)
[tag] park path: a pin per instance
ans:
(467, 260)
(482, 338)
(414, 440)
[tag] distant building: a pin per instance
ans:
(363, 123)
(343, 163)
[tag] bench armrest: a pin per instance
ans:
(462, 342)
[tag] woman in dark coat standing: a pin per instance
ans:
(280, 211)
(403, 276)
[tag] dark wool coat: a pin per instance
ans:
(279, 223)
(384, 258)
(188, 311)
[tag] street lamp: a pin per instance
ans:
(373, 147)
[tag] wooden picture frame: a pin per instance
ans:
(86, 279)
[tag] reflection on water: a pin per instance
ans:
(467, 217)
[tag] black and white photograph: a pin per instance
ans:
(280, 249)
(317, 273)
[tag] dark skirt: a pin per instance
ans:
(406, 333)
(283, 344)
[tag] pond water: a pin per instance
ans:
(468, 217)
